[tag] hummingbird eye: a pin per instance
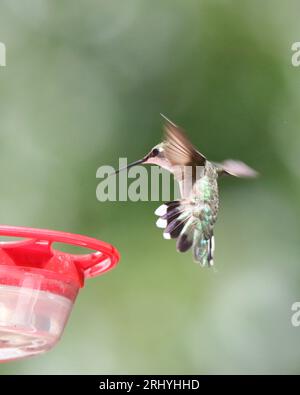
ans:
(155, 152)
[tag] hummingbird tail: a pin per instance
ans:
(173, 217)
(179, 222)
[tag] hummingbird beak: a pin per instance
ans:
(137, 162)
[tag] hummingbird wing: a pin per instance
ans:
(235, 168)
(178, 149)
(187, 162)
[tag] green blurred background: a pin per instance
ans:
(84, 85)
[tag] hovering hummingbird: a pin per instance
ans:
(191, 219)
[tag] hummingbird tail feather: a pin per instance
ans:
(186, 238)
(162, 210)
(179, 221)
(172, 218)
(204, 250)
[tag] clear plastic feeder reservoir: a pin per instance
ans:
(39, 285)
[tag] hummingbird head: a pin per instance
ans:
(155, 157)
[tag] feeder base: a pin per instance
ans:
(31, 321)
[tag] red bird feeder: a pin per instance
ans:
(39, 285)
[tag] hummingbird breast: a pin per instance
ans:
(206, 200)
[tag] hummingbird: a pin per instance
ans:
(191, 219)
